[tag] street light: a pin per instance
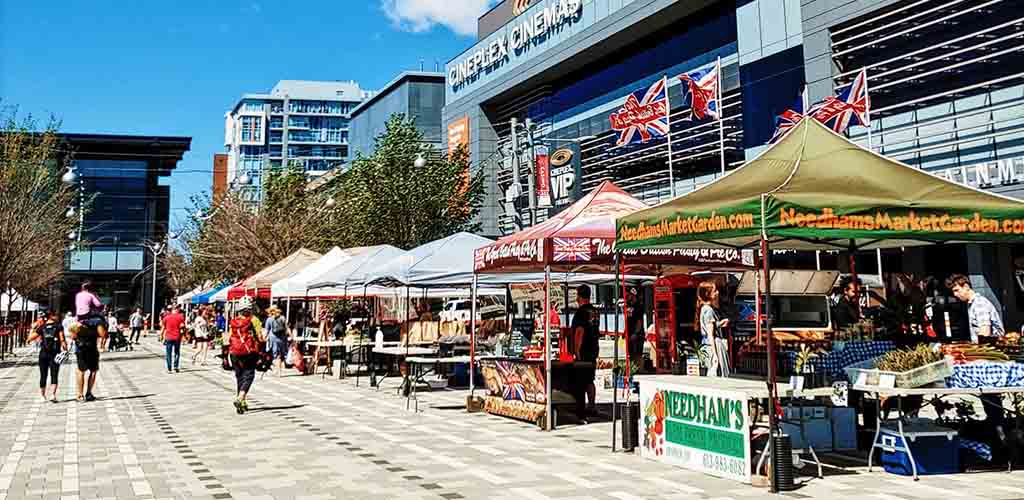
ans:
(243, 180)
(330, 203)
(158, 249)
(420, 161)
(72, 235)
(70, 213)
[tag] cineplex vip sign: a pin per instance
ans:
(988, 174)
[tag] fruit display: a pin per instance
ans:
(905, 360)
(965, 353)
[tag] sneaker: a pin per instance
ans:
(90, 397)
(238, 406)
(245, 406)
(177, 370)
(80, 399)
(168, 371)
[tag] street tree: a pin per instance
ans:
(34, 226)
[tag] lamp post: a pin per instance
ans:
(516, 189)
(157, 249)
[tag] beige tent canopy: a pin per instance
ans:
(815, 189)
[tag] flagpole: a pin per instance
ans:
(721, 113)
(805, 113)
(867, 114)
(668, 116)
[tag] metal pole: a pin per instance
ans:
(531, 181)
(547, 349)
(668, 117)
(152, 317)
(472, 335)
(721, 113)
(772, 395)
(615, 350)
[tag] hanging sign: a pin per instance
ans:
(565, 175)
(543, 180)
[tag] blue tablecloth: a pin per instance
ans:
(986, 374)
(983, 451)
(833, 363)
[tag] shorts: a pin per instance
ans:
(278, 347)
(88, 358)
(93, 320)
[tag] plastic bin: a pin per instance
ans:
(844, 429)
(936, 450)
(864, 373)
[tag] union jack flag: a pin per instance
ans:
(513, 388)
(644, 113)
(850, 107)
(572, 249)
(703, 86)
(788, 119)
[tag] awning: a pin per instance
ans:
(258, 285)
(344, 278)
(817, 190)
(581, 238)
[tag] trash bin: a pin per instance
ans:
(630, 425)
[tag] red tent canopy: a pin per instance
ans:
(582, 238)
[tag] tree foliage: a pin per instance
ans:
(33, 203)
(379, 199)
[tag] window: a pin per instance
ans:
(252, 129)
(112, 168)
(276, 122)
(252, 106)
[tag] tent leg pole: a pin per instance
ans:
(615, 351)
(772, 393)
(548, 417)
(472, 335)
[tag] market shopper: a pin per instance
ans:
(712, 337)
(171, 332)
(203, 335)
(847, 311)
(585, 339)
(86, 340)
(69, 319)
(51, 343)
(243, 347)
(136, 322)
(984, 321)
(276, 333)
(983, 317)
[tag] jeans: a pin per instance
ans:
(173, 347)
(136, 332)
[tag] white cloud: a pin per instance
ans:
(421, 15)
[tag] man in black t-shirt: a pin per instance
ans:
(585, 335)
(635, 328)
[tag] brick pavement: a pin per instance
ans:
(154, 435)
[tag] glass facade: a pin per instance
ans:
(118, 218)
(420, 100)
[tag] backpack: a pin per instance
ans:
(243, 339)
(50, 333)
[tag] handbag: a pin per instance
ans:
(61, 357)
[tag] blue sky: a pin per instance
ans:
(174, 68)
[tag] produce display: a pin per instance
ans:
(905, 360)
(965, 353)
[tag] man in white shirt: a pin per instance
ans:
(69, 319)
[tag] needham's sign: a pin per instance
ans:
(531, 30)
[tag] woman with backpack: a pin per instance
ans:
(244, 349)
(51, 344)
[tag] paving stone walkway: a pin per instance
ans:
(154, 435)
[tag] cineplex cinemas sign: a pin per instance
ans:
(524, 32)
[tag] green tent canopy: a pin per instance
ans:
(815, 190)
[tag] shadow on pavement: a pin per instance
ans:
(272, 408)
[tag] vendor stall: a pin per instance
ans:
(258, 285)
(816, 190)
(579, 239)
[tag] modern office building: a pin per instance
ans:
(945, 79)
(128, 209)
(303, 123)
(416, 94)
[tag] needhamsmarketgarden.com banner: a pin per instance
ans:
(786, 219)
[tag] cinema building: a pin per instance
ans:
(946, 83)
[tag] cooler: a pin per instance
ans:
(935, 449)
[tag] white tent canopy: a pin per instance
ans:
(297, 284)
(444, 262)
(348, 277)
(16, 303)
(222, 295)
